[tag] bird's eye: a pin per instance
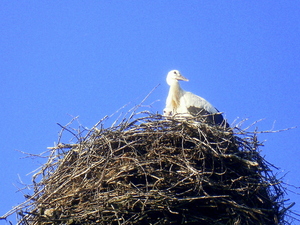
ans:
(175, 72)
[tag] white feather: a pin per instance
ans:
(179, 101)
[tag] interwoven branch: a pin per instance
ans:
(156, 171)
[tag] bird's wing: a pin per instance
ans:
(196, 102)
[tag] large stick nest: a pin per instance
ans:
(156, 171)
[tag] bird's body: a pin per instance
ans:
(187, 103)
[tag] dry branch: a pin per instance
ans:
(151, 170)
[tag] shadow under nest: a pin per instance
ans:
(156, 171)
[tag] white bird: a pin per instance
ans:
(187, 103)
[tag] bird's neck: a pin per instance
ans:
(175, 94)
(175, 87)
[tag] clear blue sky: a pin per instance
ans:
(88, 58)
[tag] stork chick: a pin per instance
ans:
(187, 103)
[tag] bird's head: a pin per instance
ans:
(175, 76)
(168, 111)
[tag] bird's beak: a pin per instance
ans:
(180, 77)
